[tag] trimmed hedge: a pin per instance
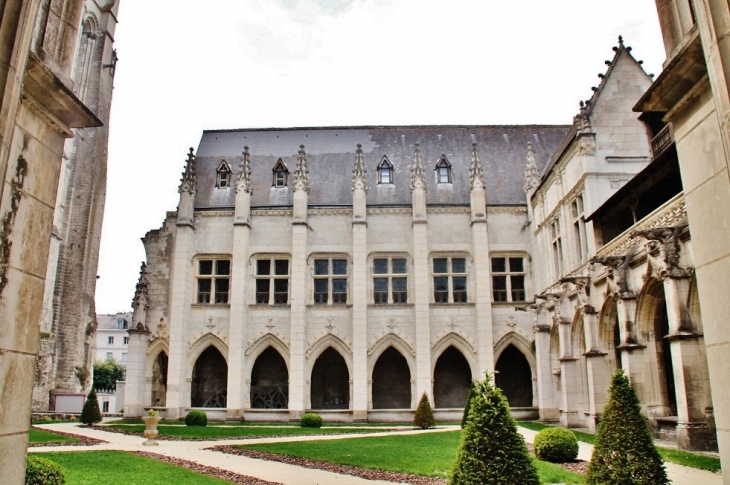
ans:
(196, 418)
(624, 451)
(557, 445)
(310, 420)
(40, 471)
(91, 413)
(424, 415)
(465, 416)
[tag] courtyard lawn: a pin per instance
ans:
(42, 436)
(277, 424)
(208, 432)
(428, 454)
(680, 457)
(120, 468)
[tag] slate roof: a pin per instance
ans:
(109, 322)
(330, 154)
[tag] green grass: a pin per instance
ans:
(428, 454)
(119, 468)
(680, 457)
(255, 424)
(40, 436)
(207, 432)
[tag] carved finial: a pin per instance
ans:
(532, 177)
(582, 105)
(244, 176)
(301, 174)
(187, 182)
(418, 178)
(359, 181)
(620, 41)
(476, 175)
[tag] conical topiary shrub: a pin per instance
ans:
(624, 451)
(492, 451)
(424, 415)
(91, 414)
(468, 406)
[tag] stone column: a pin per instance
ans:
(238, 323)
(546, 396)
(632, 353)
(135, 379)
(421, 278)
(299, 294)
(597, 370)
(569, 375)
(480, 252)
(181, 289)
(360, 382)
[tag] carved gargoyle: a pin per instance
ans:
(618, 271)
(666, 240)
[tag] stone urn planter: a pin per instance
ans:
(150, 432)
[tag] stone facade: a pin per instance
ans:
(112, 339)
(68, 320)
(39, 110)
(696, 43)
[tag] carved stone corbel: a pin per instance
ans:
(618, 269)
(665, 240)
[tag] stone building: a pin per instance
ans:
(68, 319)
(39, 109)
(349, 270)
(112, 339)
(692, 95)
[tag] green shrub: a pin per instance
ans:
(558, 445)
(196, 418)
(624, 451)
(91, 413)
(424, 415)
(310, 420)
(491, 450)
(468, 406)
(40, 471)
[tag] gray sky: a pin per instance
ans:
(185, 66)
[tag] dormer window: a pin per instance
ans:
(121, 324)
(385, 171)
(280, 174)
(223, 175)
(443, 171)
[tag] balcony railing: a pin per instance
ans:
(662, 141)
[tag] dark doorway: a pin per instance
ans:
(330, 382)
(270, 381)
(391, 381)
(661, 330)
(451, 380)
(209, 386)
(514, 377)
(159, 380)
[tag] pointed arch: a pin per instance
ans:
(209, 379)
(391, 386)
(330, 381)
(269, 380)
(521, 344)
(280, 174)
(515, 376)
(452, 378)
(200, 345)
(261, 344)
(453, 339)
(385, 171)
(395, 341)
(609, 333)
(329, 340)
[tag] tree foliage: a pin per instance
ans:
(624, 451)
(107, 373)
(492, 451)
(41, 471)
(468, 405)
(424, 415)
(91, 413)
(557, 445)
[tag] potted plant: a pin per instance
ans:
(150, 424)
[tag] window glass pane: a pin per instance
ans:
(339, 286)
(518, 288)
(281, 291)
(380, 266)
(339, 266)
(385, 176)
(399, 265)
(443, 175)
(205, 267)
(380, 284)
(499, 288)
(321, 266)
(223, 267)
(515, 265)
(440, 266)
(441, 284)
(458, 265)
(400, 284)
(221, 290)
(262, 291)
(498, 265)
(263, 267)
(459, 284)
(320, 286)
(204, 291)
(281, 267)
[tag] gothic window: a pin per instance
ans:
(449, 280)
(443, 171)
(579, 228)
(385, 171)
(330, 281)
(508, 278)
(272, 281)
(280, 174)
(557, 247)
(214, 277)
(223, 175)
(390, 280)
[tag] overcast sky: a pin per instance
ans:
(186, 66)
